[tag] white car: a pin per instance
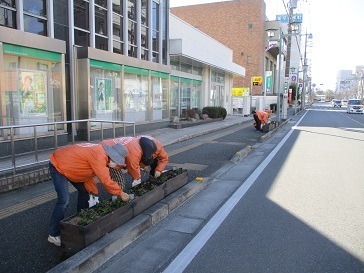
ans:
(344, 102)
(354, 106)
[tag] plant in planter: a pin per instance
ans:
(89, 225)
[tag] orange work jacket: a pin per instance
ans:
(134, 157)
(161, 154)
(263, 116)
(82, 162)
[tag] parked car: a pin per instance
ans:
(354, 106)
(344, 102)
(337, 103)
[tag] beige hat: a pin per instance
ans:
(117, 153)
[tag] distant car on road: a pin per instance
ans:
(344, 102)
(354, 106)
(337, 103)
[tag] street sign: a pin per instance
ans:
(257, 80)
(268, 81)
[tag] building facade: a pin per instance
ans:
(69, 60)
(240, 25)
(84, 59)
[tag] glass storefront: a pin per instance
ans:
(135, 94)
(185, 95)
(217, 89)
(159, 95)
(31, 88)
(105, 90)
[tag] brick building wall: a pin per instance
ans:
(237, 24)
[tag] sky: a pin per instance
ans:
(338, 34)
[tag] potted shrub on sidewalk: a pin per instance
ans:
(82, 229)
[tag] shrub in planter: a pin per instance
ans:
(215, 112)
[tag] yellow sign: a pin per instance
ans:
(240, 92)
(257, 80)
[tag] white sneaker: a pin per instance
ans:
(136, 182)
(55, 240)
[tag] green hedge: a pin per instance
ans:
(215, 112)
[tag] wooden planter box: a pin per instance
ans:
(175, 183)
(75, 237)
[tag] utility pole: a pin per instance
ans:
(303, 100)
(289, 40)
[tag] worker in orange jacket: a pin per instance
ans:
(138, 158)
(79, 164)
(154, 155)
(260, 118)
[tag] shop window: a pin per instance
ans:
(33, 91)
(135, 97)
(174, 98)
(105, 94)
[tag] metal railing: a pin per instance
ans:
(25, 159)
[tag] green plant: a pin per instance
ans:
(89, 215)
(215, 111)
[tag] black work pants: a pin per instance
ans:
(257, 122)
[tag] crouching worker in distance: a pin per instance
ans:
(260, 118)
(79, 164)
(153, 155)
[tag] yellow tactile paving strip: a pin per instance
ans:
(29, 204)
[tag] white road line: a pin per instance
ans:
(179, 264)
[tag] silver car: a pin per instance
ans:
(354, 106)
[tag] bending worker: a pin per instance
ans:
(260, 118)
(153, 155)
(79, 164)
(142, 152)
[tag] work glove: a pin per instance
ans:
(94, 200)
(157, 174)
(136, 182)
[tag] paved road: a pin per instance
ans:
(300, 210)
(24, 213)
